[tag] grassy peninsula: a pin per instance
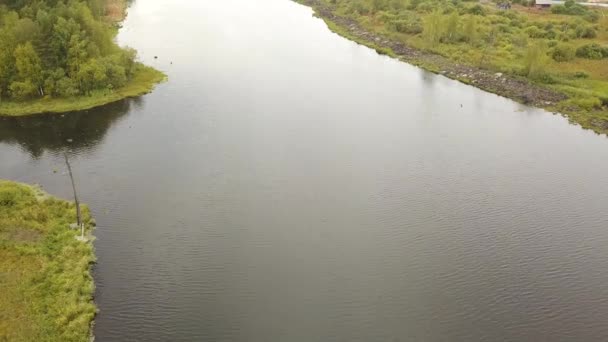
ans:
(46, 287)
(60, 56)
(555, 58)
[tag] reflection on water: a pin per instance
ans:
(79, 131)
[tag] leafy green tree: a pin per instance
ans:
(451, 29)
(535, 60)
(433, 28)
(29, 71)
(7, 62)
(63, 31)
(77, 54)
(470, 31)
(62, 48)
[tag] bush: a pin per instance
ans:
(8, 197)
(535, 32)
(592, 17)
(592, 51)
(407, 22)
(581, 74)
(23, 90)
(425, 7)
(535, 60)
(66, 87)
(569, 8)
(477, 10)
(361, 8)
(585, 31)
(405, 26)
(587, 103)
(563, 53)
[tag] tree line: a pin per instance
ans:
(59, 48)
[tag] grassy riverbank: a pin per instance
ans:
(533, 56)
(144, 80)
(63, 57)
(46, 287)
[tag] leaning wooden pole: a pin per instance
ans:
(78, 217)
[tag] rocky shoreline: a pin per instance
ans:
(517, 88)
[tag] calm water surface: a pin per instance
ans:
(290, 185)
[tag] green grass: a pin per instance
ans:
(46, 287)
(144, 80)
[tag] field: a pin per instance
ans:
(46, 287)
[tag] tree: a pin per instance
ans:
(63, 30)
(61, 48)
(535, 60)
(29, 70)
(7, 62)
(91, 75)
(451, 30)
(470, 30)
(77, 54)
(433, 28)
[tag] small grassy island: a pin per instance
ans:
(46, 287)
(60, 56)
(553, 57)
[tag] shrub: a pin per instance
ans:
(534, 32)
(581, 74)
(563, 53)
(66, 87)
(585, 31)
(8, 197)
(477, 10)
(535, 60)
(592, 51)
(23, 90)
(426, 7)
(361, 7)
(505, 28)
(407, 22)
(569, 8)
(592, 17)
(587, 103)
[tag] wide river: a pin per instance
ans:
(287, 184)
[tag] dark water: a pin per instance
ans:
(289, 185)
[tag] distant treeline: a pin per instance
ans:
(59, 48)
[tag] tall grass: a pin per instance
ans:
(46, 287)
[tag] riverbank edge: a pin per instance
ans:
(82, 313)
(143, 82)
(519, 89)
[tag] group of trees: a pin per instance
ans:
(59, 48)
